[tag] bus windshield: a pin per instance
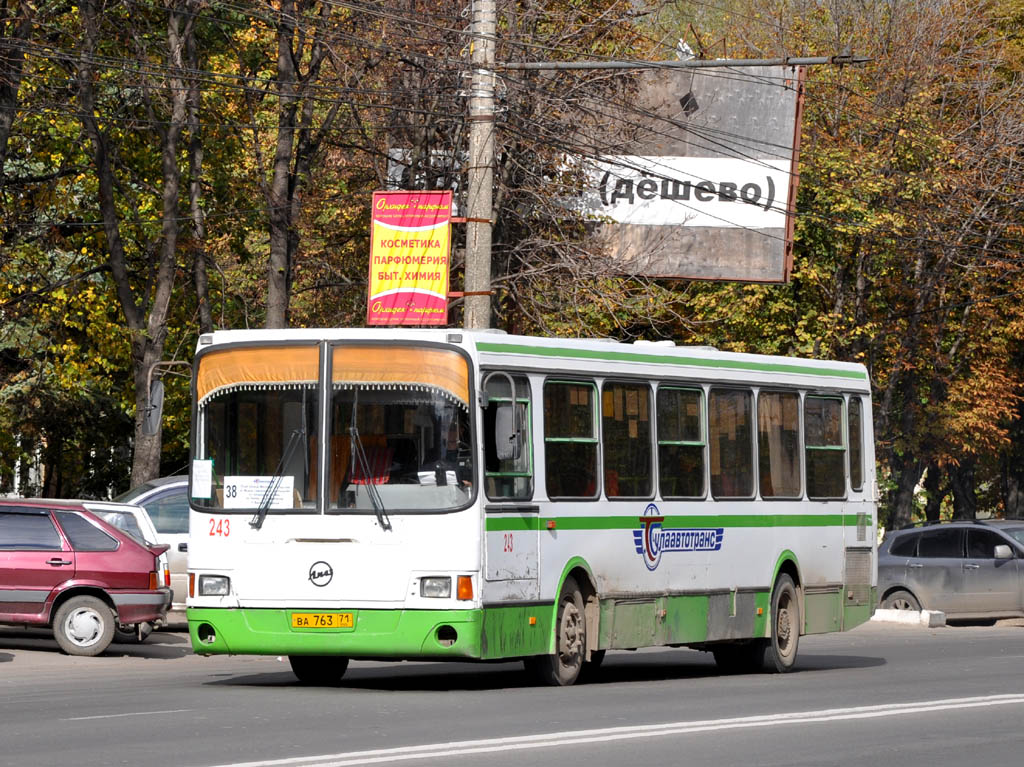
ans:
(257, 423)
(398, 430)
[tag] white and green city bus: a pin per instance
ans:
(445, 494)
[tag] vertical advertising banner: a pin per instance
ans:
(410, 239)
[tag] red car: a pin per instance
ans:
(63, 567)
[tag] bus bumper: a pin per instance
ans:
(391, 634)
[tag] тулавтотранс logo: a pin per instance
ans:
(652, 539)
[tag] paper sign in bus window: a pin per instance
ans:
(248, 492)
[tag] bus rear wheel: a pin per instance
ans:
(563, 668)
(318, 669)
(786, 625)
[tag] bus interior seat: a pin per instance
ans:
(378, 460)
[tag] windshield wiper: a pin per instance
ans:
(297, 436)
(359, 454)
(275, 481)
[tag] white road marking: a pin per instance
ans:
(134, 713)
(468, 747)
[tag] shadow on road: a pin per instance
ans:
(619, 668)
(158, 646)
(6, 657)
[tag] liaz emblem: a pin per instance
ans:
(652, 539)
(320, 573)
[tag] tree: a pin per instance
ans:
(907, 248)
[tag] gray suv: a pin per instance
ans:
(969, 570)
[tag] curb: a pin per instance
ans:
(926, 618)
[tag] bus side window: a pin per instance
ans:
(681, 447)
(823, 446)
(626, 437)
(508, 477)
(570, 439)
(856, 444)
(778, 444)
(731, 432)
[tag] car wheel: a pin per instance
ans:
(901, 600)
(322, 670)
(786, 624)
(563, 668)
(131, 633)
(84, 626)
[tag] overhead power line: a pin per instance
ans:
(784, 61)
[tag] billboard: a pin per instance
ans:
(709, 188)
(410, 239)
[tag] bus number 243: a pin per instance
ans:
(220, 527)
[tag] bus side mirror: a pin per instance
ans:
(508, 442)
(154, 409)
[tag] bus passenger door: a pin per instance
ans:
(512, 520)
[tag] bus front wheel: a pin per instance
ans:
(563, 668)
(318, 669)
(786, 625)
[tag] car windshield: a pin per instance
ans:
(130, 495)
(398, 430)
(1015, 532)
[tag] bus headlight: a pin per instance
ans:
(436, 586)
(214, 585)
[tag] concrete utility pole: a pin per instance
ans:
(479, 202)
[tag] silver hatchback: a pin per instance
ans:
(968, 570)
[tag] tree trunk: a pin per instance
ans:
(15, 30)
(907, 472)
(278, 198)
(195, 187)
(148, 332)
(965, 499)
(296, 147)
(934, 493)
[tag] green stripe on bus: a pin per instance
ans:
(593, 354)
(519, 523)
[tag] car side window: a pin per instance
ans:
(169, 512)
(83, 534)
(905, 546)
(941, 543)
(981, 544)
(28, 532)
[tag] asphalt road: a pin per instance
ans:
(880, 695)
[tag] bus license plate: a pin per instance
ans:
(322, 621)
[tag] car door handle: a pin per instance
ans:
(58, 562)
(971, 566)
(916, 564)
(183, 547)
